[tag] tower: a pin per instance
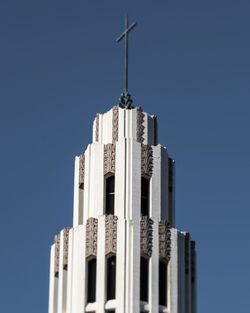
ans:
(123, 253)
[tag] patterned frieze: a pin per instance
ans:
(109, 158)
(65, 247)
(164, 240)
(110, 234)
(139, 124)
(115, 124)
(146, 236)
(146, 160)
(57, 255)
(81, 170)
(193, 261)
(97, 127)
(91, 237)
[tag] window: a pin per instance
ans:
(110, 195)
(111, 277)
(144, 196)
(144, 280)
(91, 280)
(163, 283)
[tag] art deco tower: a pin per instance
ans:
(123, 253)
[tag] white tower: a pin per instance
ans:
(123, 253)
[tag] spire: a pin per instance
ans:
(125, 100)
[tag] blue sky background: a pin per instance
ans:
(189, 65)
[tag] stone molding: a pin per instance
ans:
(97, 127)
(91, 237)
(65, 247)
(81, 170)
(146, 160)
(187, 254)
(110, 234)
(193, 262)
(115, 123)
(164, 240)
(139, 126)
(109, 158)
(57, 255)
(146, 236)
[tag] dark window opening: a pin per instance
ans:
(170, 175)
(110, 195)
(91, 280)
(144, 280)
(144, 197)
(163, 283)
(111, 277)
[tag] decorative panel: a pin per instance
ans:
(81, 170)
(139, 126)
(65, 247)
(146, 160)
(193, 261)
(146, 236)
(109, 158)
(115, 123)
(91, 236)
(97, 127)
(57, 255)
(164, 240)
(110, 233)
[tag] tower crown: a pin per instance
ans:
(124, 149)
(119, 123)
(123, 254)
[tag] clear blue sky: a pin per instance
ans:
(189, 65)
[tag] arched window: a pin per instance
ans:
(91, 290)
(144, 279)
(163, 283)
(111, 277)
(144, 196)
(110, 195)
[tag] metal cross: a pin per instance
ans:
(125, 99)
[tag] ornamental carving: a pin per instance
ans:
(110, 234)
(81, 170)
(109, 158)
(115, 123)
(187, 254)
(146, 236)
(164, 240)
(65, 247)
(139, 126)
(57, 255)
(97, 127)
(146, 160)
(193, 261)
(91, 237)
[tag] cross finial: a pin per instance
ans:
(125, 100)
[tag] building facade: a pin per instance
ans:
(123, 253)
